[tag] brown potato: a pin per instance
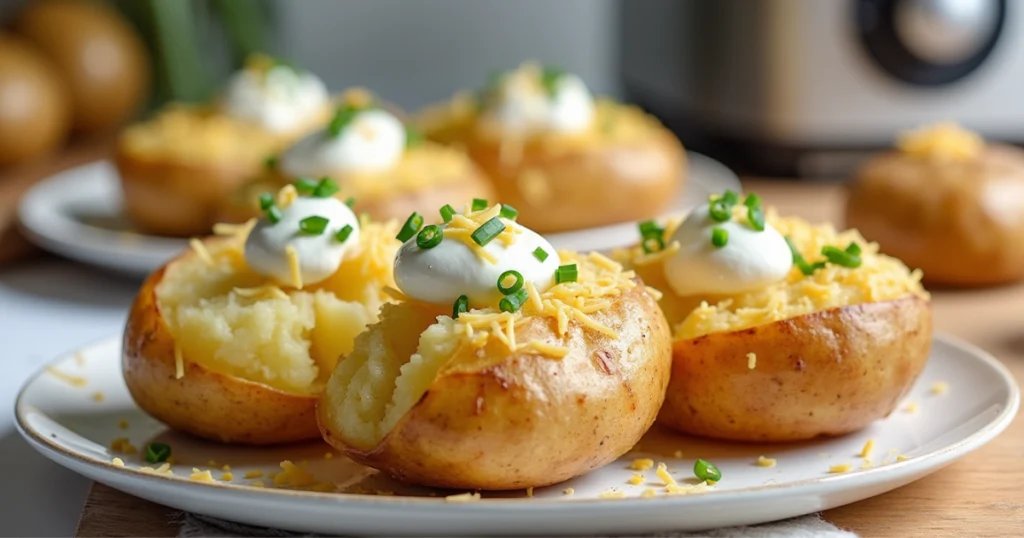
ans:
(959, 221)
(826, 373)
(34, 108)
(496, 419)
(203, 402)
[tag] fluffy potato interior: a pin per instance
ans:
(392, 365)
(232, 320)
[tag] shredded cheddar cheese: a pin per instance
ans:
(636, 479)
(941, 141)
(117, 462)
(200, 476)
(201, 251)
(612, 493)
(286, 196)
(751, 361)
(687, 489)
(179, 363)
(901, 457)
(568, 491)
(294, 266)
(266, 291)
(258, 484)
(238, 231)
(840, 468)
(940, 387)
(642, 464)
(98, 397)
(529, 491)
(254, 474)
(664, 475)
(463, 497)
(649, 492)
(911, 408)
(868, 447)
(227, 477)
(292, 475)
(123, 445)
(73, 380)
(765, 462)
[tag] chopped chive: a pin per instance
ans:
(343, 233)
(325, 188)
(508, 212)
(157, 452)
(461, 305)
(755, 217)
(350, 201)
(266, 201)
(653, 244)
(840, 257)
(797, 257)
(806, 268)
(650, 228)
(411, 226)
(429, 237)
(447, 212)
(517, 283)
(270, 162)
(540, 254)
(549, 78)
(342, 117)
(752, 200)
(566, 273)
(853, 248)
(487, 231)
(707, 471)
(513, 302)
(719, 237)
(720, 210)
(413, 136)
(313, 225)
(479, 204)
(730, 197)
(274, 214)
(306, 185)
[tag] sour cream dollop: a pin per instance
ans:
(319, 255)
(373, 141)
(280, 98)
(441, 274)
(520, 103)
(749, 260)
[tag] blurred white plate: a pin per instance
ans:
(73, 427)
(77, 214)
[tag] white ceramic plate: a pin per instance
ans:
(77, 214)
(67, 424)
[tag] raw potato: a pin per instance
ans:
(958, 221)
(826, 373)
(99, 55)
(497, 419)
(34, 109)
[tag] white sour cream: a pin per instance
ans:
(749, 260)
(319, 255)
(520, 104)
(441, 274)
(373, 141)
(282, 99)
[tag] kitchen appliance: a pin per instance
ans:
(809, 87)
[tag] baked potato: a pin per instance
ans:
(214, 349)
(497, 400)
(947, 203)
(621, 165)
(825, 350)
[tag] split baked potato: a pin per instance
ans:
(450, 403)
(213, 349)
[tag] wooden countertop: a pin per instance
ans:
(977, 496)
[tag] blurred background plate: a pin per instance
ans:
(77, 214)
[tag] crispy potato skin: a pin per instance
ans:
(203, 402)
(821, 374)
(499, 420)
(597, 186)
(959, 222)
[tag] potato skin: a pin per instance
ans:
(595, 186)
(821, 374)
(203, 402)
(498, 420)
(959, 222)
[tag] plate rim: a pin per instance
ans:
(933, 460)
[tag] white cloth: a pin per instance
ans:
(812, 526)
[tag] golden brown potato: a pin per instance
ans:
(34, 107)
(826, 373)
(958, 220)
(627, 167)
(216, 350)
(418, 401)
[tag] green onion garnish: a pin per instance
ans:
(429, 237)
(719, 237)
(707, 471)
(313, 225)
(566, 273)
(755, 217)
(350, 201)
(274, 214)
(730, 197)
(853, 248)
(487, 231)
(650, 228)
(540, 254)
(447, 212)
(840, 257)
(413, 136)
(306, 185)
(325, 188)
(512, 303)
(720, 210)
(270, 162)
(343, 234)
(157, 452)
(752, 200)
(653, 244)
(798, 260)
(549, 80)
(266, 201)
(461, 305)
(411, 226)
(508, 212)
(342, 117)
(517, 283)
(479, 204)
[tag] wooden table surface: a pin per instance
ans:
(978, 496)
